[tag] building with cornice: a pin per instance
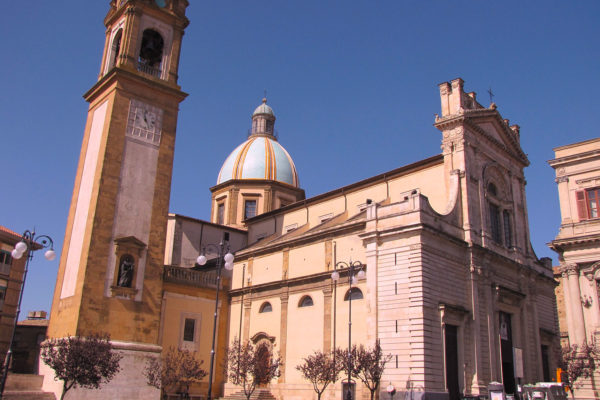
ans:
(453, 290)
(577, 169)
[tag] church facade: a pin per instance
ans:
(452, 287)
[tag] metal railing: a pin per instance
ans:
(272, 132)
(190, 277)
(147, 69)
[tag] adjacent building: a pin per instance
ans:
(577, 169)
(11, 278)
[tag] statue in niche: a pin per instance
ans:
(125, 278)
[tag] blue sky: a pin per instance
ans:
(353, 85)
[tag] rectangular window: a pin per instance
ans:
(495, 223)
(5, 262)
(588, 203)
(189, 328)
(507, 228)
(5, 257)
(221, 213)
(249, 209)
(3, 286)
(593, 197)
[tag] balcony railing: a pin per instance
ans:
(190, 277)
(272, 132)
(147, 69)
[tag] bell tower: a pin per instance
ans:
(110, 274)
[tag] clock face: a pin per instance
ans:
(161, 3)
(144, 122)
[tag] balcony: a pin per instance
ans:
(144, 67)
(190, 277)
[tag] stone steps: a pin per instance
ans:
(27, 395)
(25, 387)
(259, 394)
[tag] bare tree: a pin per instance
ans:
(176, 370)
(369, 366)
(249, 365)
(578, 362)
(320, 369)
(365, 364)
(81, 361)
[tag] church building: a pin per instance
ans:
(451, 287)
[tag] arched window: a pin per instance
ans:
(126, 266)
(151, 52)
(354, 294)
(500, 217)
(306, 301)
(116, 49)
(494, 210)
(265, 307)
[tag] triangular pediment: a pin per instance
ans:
(490, 124)
(131, 241)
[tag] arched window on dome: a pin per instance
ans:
(265, 307)
(354, 294)
(306, 301)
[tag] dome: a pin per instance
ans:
(263, 109)
(259, 157)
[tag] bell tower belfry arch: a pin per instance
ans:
(110, 272)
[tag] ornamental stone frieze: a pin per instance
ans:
(592, 272)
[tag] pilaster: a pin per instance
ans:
(284, 298)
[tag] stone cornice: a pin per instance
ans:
(322, 278)
(579, 157)
(308, 237)
(118, 74)
(559, 245)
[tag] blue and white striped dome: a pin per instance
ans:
(261, 156)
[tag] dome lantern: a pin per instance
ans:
(263, 120)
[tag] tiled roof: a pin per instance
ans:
(16, 236)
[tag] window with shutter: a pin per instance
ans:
(593, 202)
(588, 203)
(581, 208)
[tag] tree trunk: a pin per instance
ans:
(64, 391)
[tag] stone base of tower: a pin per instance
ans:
(129, 383)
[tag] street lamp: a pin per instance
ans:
(220, 249)
(352, 279)
(29, 243)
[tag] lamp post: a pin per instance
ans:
(220, 248)
(352, 279)
(29, 243)
(391, 390)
